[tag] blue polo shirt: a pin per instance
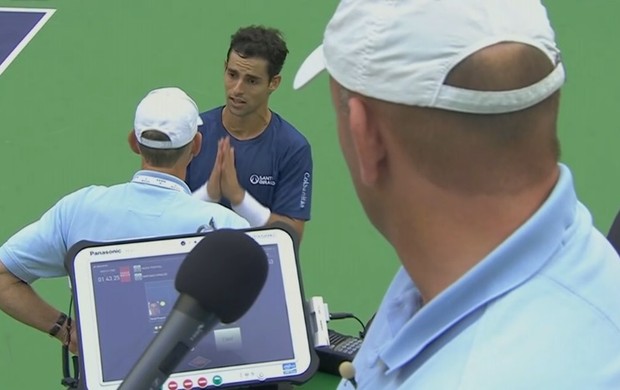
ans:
(152, 204)
(275, 167)
(541, 311)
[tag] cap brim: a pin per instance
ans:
(310, 68)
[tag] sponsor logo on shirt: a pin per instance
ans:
(304, 190)
(262, 180)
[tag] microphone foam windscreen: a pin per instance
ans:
(224, 272)
(346, 370)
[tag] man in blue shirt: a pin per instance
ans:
(156, 202)
(253, 160)
(447, 114)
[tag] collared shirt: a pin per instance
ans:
(275, 167)
(541, 311)
(152, 204)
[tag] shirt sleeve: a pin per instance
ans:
(293, 193)
(39, 249)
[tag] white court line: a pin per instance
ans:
(48, 12)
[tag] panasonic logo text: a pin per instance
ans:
(105, 252)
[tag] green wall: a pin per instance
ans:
(66, 105)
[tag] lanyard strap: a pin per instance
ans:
(159, 182)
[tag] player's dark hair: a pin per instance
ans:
(160, 158)
(262, 42)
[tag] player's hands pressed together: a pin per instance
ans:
(214, 190)
(223, 181)
(231, 189)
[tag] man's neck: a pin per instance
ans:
(246, 127)
(440, 236)
(176, 171)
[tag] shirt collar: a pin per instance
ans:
(165, 177)
(512, 263)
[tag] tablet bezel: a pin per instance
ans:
(81, 257)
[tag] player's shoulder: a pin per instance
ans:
(211, 119)
(215, 112)
(287, 133)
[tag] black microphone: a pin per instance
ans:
(218, 281)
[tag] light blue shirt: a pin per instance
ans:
(152, 204)
(542, 311)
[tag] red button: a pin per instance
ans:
(188, 384)
(202, 382)
(173, 386)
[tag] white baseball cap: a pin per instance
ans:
(171, 111)
(401, 51)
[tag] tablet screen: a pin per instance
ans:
(124, 292)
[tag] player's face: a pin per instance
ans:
(247, 84)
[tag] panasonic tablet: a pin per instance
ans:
(124, 290)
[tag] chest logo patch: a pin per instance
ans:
(262, 180)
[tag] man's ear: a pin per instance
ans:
(367, 141)
(274, 83)
(133, 142)
(196, 144)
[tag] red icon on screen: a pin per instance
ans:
(188, 384)
(173, 386)
(202, 382)
(125, 275)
